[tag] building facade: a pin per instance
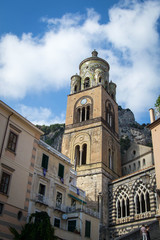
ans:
(155, 130)
(54, 191)
(18, 146)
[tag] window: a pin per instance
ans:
(110, 116)
(86, 83)
(41, 192)
(72, 225)
(73, 202)
(75, 88)
(59, 200)
(87, 229)
(134, 152)
(142, 200)
(122, 205)
(12, 141)
(111, 158)
(61, 171)
(45, 161)
(77, 156)
(42, 189)
(57, 222)
(134, 166)
(139, 164)
(144, 162)
(1, 208)
(4, 183)
(84, 153)
(19, 215)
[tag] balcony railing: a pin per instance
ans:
(41, 199)
(78, 191)
(60, 207)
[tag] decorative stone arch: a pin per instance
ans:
(83, 141)
(83, 109)
(117, 193)
(110, 115)
(144, 193)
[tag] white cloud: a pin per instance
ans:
(129, 42)
(39, 115)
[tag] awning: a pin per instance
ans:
(72, 196)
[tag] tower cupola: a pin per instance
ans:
(94, 71)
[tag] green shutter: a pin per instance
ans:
(87, 229)
(45, 161)
(61, 171)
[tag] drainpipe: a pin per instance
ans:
(5, 134)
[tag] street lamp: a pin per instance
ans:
(146, 180)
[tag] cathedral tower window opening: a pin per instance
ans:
(122, 205)
(110, 116)
(83, 114)
(86, 83)
(111, 158)
(84, 153)
(75, 88)
(80, 156)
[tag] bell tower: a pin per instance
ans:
(91, 138)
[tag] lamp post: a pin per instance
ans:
(146, 180)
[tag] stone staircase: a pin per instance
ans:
(135, 235)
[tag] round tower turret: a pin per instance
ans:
(75, 83)
(112, 90)
(94, 71)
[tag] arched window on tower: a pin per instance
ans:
(111, 157)
(75, 88)
(83, 114)
(77, 156)
(84, 153)
(110, 116)
(86, 83)
(88, 112)
(78, 115)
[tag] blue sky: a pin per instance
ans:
(43, 42)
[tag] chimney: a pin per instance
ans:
(152, 116)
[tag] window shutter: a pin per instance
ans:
(61, 171)
(45, 161)
(87, 229)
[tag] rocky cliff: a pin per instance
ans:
(128, 127)
(129, 130)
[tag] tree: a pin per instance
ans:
(124, 143)
(38, 228)
(157, 104)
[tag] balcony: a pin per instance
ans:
(60, 207)
(41, 199)
(77, 191)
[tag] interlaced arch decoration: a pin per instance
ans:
(122, 205)
(121, 201)
(142, 200)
